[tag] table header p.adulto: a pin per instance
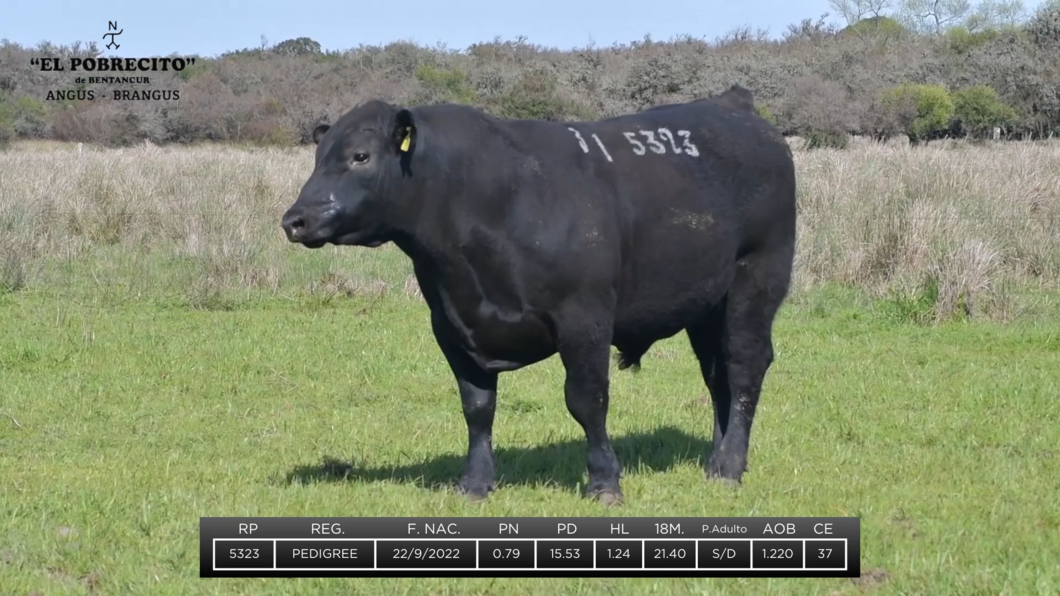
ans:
(530, 547)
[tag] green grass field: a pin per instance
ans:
(165, 354)
(121, 423)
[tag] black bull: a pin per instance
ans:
(530, 238)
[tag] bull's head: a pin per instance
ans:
(350, 197)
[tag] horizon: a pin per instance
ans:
(237, 24)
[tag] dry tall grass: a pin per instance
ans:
(969, 227)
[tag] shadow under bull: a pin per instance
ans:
(556, 464)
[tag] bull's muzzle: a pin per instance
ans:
(293, 225)
(310, 226)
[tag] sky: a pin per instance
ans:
(210, 27)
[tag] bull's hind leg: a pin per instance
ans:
(735, 350)
(707, 345)
(586, 353)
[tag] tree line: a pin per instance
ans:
(923, 68)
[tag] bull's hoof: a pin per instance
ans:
(608, 497)
(475, 491)
(728, 472)
(728, 482)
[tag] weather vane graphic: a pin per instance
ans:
(111, 26)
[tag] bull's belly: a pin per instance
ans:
(646, 327)
(504, 339)
(511, 342)
(655, 314)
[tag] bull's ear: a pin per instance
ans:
(404, 132)
(318, 133)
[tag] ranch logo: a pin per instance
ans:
(117, 69)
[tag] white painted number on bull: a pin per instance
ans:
(669, 136)
(689, 147)
(585, 146)
(600, 144)
(638, 147)
(581, 141)
(650, 142)
(658, 148)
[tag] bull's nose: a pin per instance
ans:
(293, 225)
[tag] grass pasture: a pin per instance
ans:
(165, 354)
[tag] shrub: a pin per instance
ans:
(819, 110)
(822, 139)
(533, 97)
(69, 123)
(814, 80)
(201, 67)
(22, 116)
(7, 126)
(1044, 27)
(980, 110)
(651, 79)
(297, 47)
(875, 26)
(122, 129)
(922, 110)
(445, 85)
(766, 114)
(960, 41)
(269, 132)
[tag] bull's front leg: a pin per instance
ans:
(478, 396)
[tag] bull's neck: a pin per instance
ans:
(435, 184)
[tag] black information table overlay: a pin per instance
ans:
(530, 547)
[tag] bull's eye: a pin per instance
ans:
(360, 158)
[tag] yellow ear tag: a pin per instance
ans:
(408, 139)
